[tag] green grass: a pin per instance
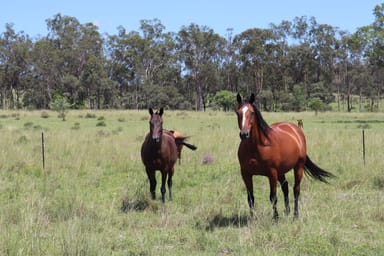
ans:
(93, 197)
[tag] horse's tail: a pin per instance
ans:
(181, 141)
(316, 172)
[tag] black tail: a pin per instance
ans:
(316, 172)
(181, 141)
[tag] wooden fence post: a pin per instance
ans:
(364, 146)
(43, 149)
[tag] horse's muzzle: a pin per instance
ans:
(244, 135)
(156, 139)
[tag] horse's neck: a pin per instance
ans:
(258, 137)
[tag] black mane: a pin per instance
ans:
(262, 125)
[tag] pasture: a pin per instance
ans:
(92, 197)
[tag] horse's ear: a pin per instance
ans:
(238, 98)
(150, 111)
(161, 111)
(252, 98)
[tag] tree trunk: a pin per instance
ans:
(349, 104)
(338, 98)
(198, 95)
(360, 100)
(258, 79)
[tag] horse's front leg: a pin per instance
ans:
(152, 181)
(247, 178)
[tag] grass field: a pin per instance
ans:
(92, 197)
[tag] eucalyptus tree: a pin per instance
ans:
(230, 73)
(45, 74)
(351, 75)
(324, 44)
(360, 75)
(159, 52)
(280, 57)
(14, 54)
(341, 70)
(74, 45)
(201, 55)
(64, 33)
(312, 57)
(257, 48)
(372, 42)
(278, 92)
(95, 85)
(372, 37)
(300, 54)
(122, 64)
(161, 66)
(146, 59)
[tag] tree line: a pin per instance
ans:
(291, 66)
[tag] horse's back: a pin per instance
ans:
(290, 138)
(289, 130)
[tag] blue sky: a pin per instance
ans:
(30, 16)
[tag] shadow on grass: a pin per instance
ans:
(219, 221)
(134, 205)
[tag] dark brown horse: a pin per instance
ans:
(159, 151)
(272, 151)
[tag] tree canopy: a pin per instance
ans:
(294, 66)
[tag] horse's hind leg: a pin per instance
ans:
(284, 188)
(272, 195)
(170, 185)
(296, 189)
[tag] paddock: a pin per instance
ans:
(93, 169)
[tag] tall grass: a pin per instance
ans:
(93, 197)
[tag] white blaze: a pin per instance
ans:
(244, 110)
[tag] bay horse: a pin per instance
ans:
(160, 150)
(272, 151)
(300, 123)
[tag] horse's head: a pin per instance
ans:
(248, 116)
(156, 124)
(245, 116)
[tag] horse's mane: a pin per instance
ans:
(262, 125)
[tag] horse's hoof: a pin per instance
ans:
(287, 212)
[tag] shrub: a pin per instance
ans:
(28, 124)
(44, 114)
(101, 123)
(90, 115)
